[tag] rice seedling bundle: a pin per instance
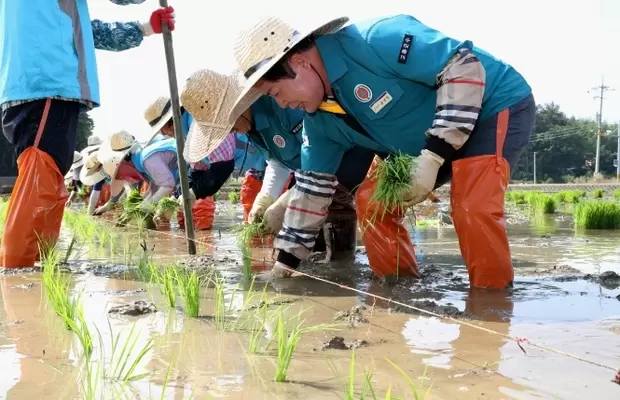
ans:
(393, 176)
(132, 211)
(597, 215)
(167, 205)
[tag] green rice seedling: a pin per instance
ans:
(348, 386)
(79, 327)
(598, 193)
(541, 202)
(393, 177)
(417, 390)
(189, 288)
(167, 279)
(246, 233)
(617, 194)
(516, 197)
(220, 306)
(597, 215)
(126, 356)
(167, 205)
(233, 197)
(57, 288)
(133, 211)
(289, 332)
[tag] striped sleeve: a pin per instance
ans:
(459, 98)
(306, 212)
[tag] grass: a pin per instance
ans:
(598, 193)
(393, 177)
(596, 214)
(348, 385)
(617, 194)
(289, 332)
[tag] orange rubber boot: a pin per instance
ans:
(388, 246)
(249, 190)
(477, 198)
(203, 213)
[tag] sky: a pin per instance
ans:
(562, 49)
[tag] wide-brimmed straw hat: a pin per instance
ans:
(158, 113)
(263, 45)
(92, 171)
(114, 151)
(94, 144)
(78, 160)
(208, 96)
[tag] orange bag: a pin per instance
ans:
(388, 246)
(249, 190)
(203, 214)
(104, 196)
(35, 207)
(477, 198)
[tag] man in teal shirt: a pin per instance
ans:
(394, 84)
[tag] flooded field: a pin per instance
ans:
(555, 336)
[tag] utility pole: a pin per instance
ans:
(535, 167)
(600, 89)
(618, 155)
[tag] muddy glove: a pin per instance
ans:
(104, 208)
(162, 216)
(92, 201)
(423, 177)
(280, 271)
(260, 205)
(192, 199)
(274, 215)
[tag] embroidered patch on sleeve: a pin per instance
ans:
(405, 48)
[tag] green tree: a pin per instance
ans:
(85, 128)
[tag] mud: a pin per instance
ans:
(353, 317)
(137, 308)
(338, 343)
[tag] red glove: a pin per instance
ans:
(160, 17)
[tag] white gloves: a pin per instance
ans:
(260, 205)
(423, 177)
(92, 202)
(280, 271)
(192, 199)
(104, 208)
(274, 215)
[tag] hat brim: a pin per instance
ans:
(91, 178)
(249, 95)
(77, 164)
(202, 140)
(86, 151)
(163, 121)
(111, 159)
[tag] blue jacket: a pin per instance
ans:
(391, 97)
(277, 132)
(247, 156)
(162, 145)
(47, 49)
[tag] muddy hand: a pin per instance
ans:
(274, 215)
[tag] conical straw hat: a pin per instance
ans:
(208, 96)
(263, 45)
(158, 113)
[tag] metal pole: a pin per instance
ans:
(178, 134)
(618, 156)
(534, 168)
(600, 130)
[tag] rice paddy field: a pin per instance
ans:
(122, 312)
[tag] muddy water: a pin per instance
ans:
(554, 304)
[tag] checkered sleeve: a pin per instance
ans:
(225, 151)
(306, 212)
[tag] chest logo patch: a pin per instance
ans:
(362, 93)
(381, 102)
(279, 141)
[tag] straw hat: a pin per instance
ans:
(94, 143)
(208, 96)
(78, 160)
(114, 151)
(92, 171)
(263, 45)
(158, 113)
